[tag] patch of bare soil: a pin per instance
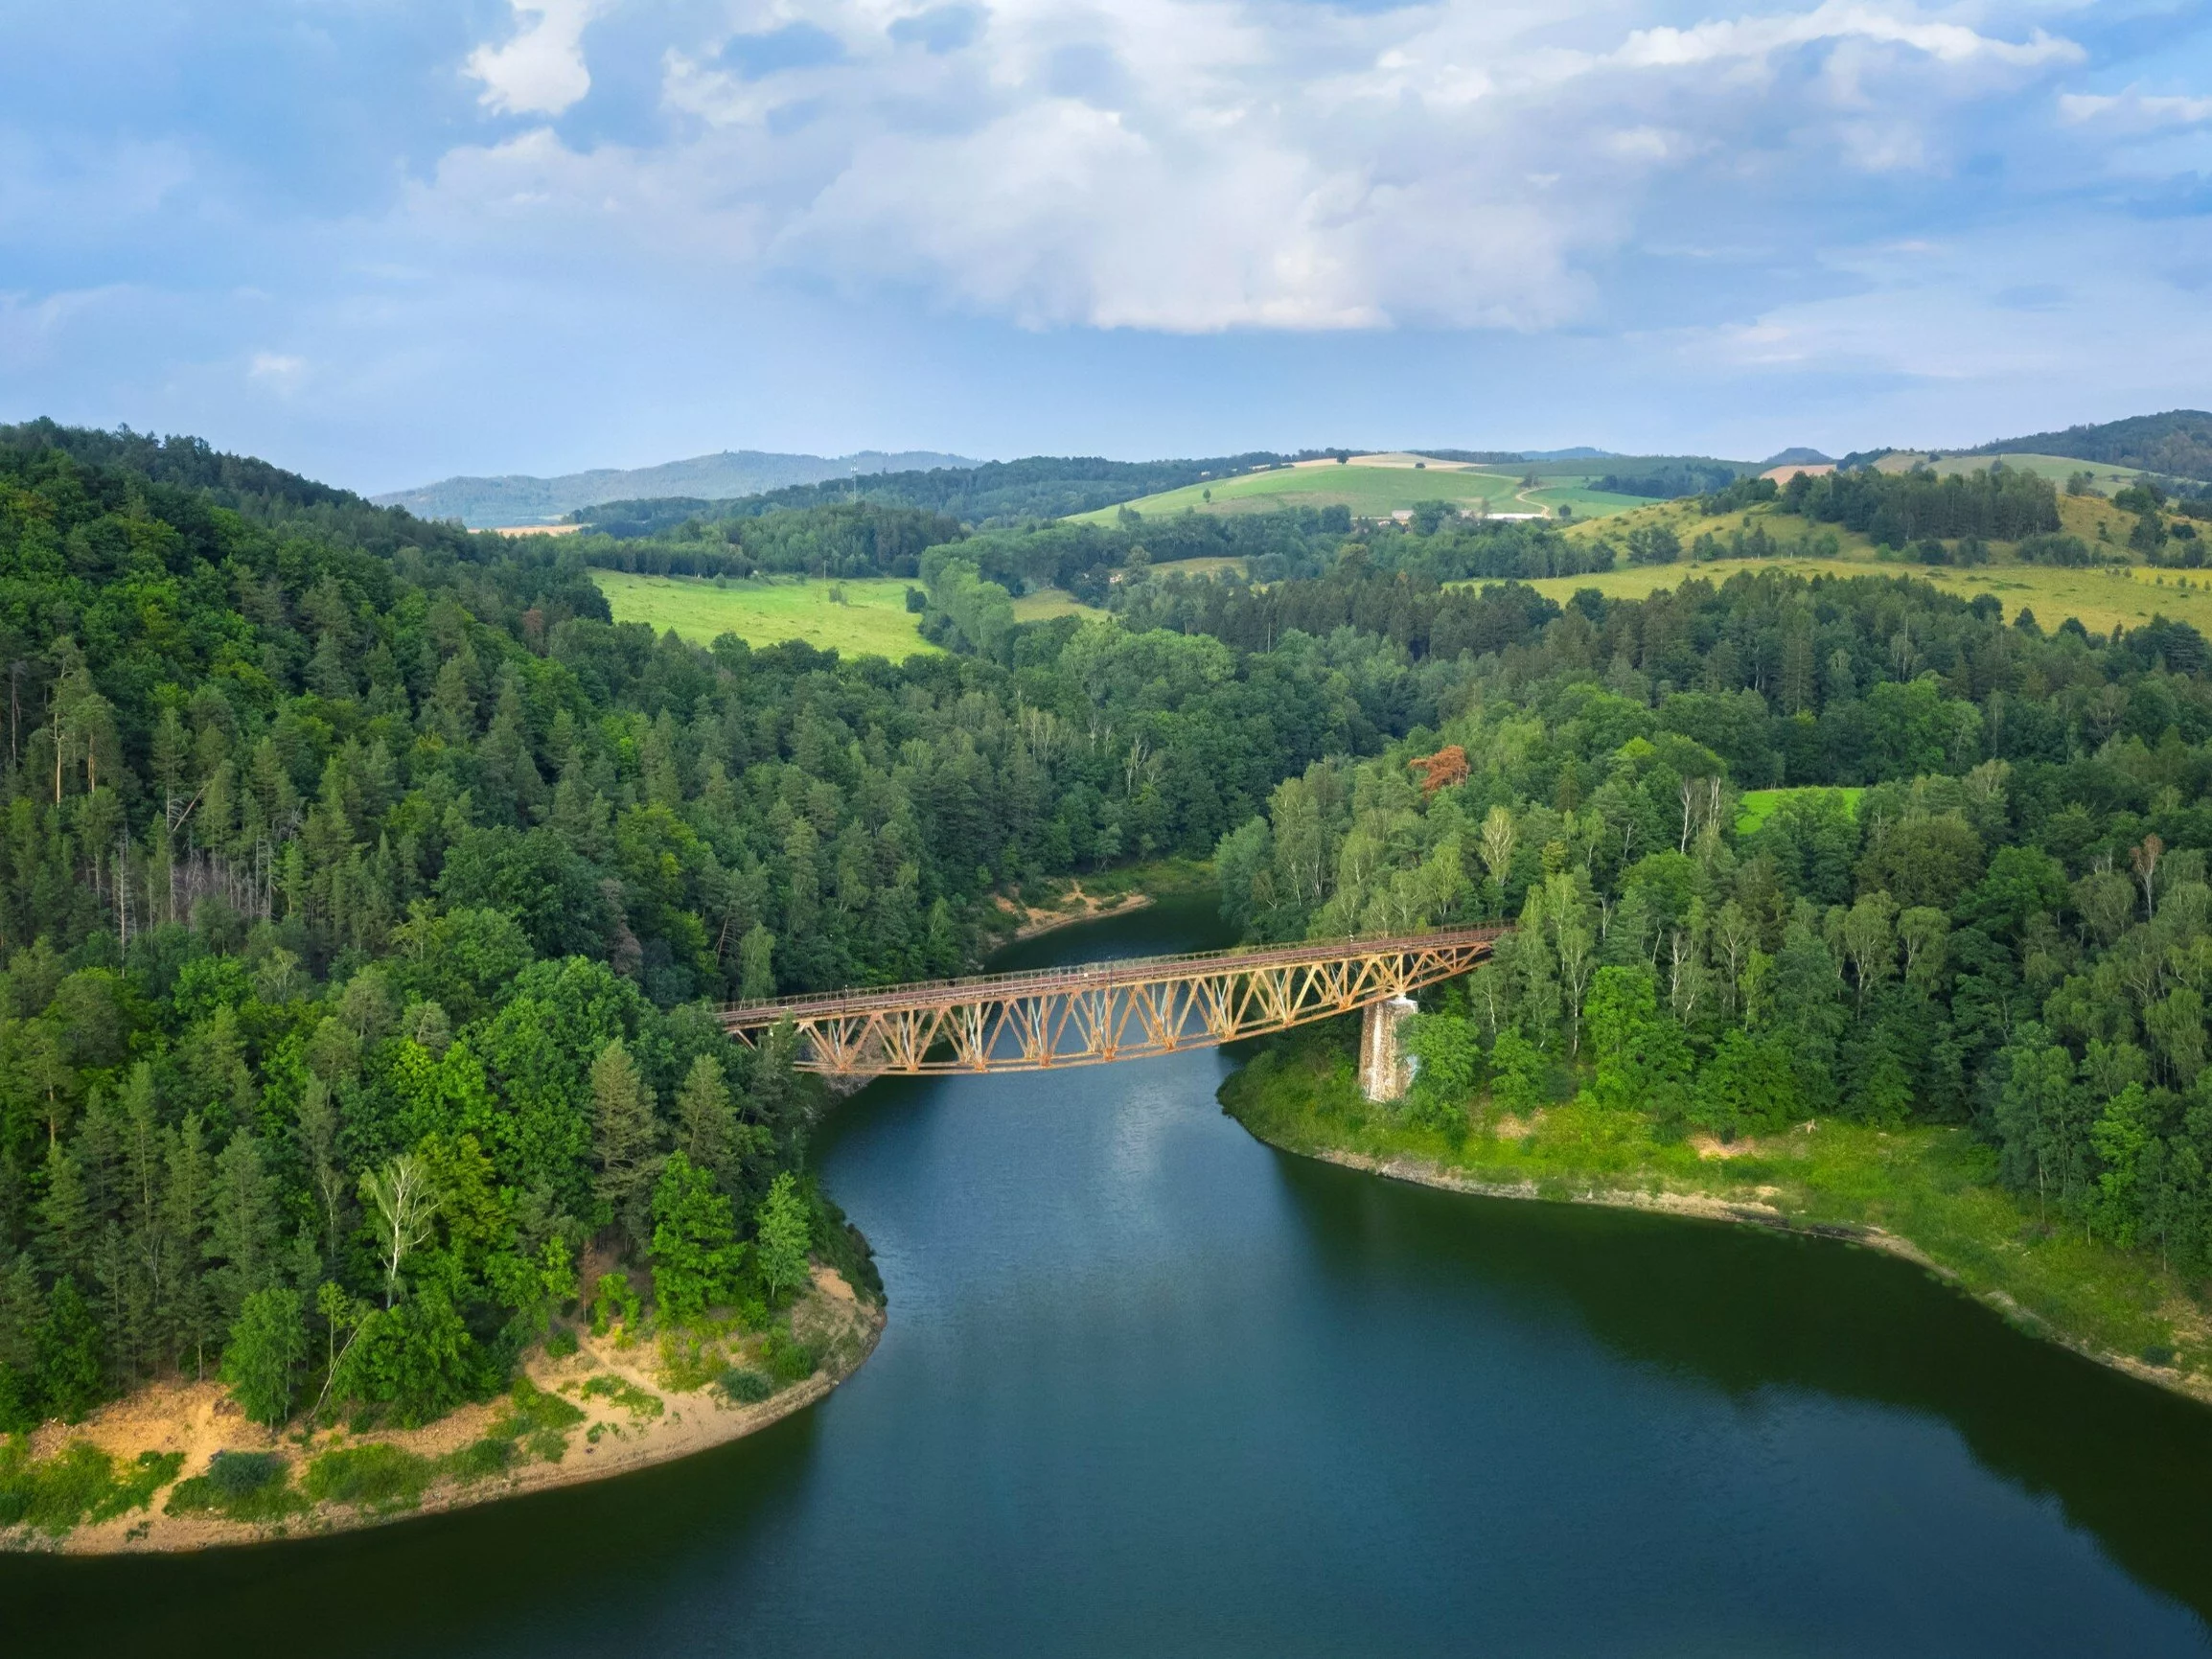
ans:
(620, 1429)
(1075, 905)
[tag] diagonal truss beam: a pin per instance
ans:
(1104, 1011)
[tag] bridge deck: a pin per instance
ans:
(764, 1011)
(1099, 1011)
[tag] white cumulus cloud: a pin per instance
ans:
(541, 71)
(1193, 166)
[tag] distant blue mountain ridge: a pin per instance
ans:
(517, 498)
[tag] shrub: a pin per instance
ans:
(541, 1421)
(561, 1342)
(2055, 550)
(52, 1496)
(478, 1460)
(617, 1391)
(414, 1362)
(377, 1477)
(788, 1360)
(240, 1487)
(745, 1386)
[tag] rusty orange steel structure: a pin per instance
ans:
(1101, 1011)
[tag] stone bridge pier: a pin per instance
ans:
(1385, 1069)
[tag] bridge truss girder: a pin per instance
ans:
(1109, 1011)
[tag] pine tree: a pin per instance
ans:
(695, 1249)
(64, 1216)
(243, 1224)
(624, 1143)
(706, 1125)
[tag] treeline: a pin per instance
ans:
(1411, 612)
(2178, 444)
(362, 888)
(868, 538)
(1895, 508)
(2007, 929)
(1670, 481)
(841, 539)
(995, 493)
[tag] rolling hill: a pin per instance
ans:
(2177, 443)
(518, 498)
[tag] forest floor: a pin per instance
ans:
(1928, 1193)
(617, 1403)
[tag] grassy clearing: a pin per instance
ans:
(1372, 487)
(1757, 804)
(2103, 597)
(1051, 601)
(2055, 468)
(1576, 495)
(871, 619)
(1933, 1188)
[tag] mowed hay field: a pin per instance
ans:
(2126, 596)
(872, 621)
(1372, 487)
(2101, 596)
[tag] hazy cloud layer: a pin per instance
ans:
(326, 212)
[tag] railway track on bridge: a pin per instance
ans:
(1101, 1012)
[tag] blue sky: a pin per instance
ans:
(385, 240)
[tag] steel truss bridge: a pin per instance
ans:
(1103, 1011)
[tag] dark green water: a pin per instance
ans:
(1152, 1387)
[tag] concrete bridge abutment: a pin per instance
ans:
(1385, 1069)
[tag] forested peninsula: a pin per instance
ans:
(368, 1141)
(1940, 983)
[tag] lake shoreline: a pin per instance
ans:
(1747, 1205)
(617, 1434)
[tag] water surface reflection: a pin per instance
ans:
(1150, 1387)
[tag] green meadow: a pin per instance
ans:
(2055, 468)
(859, 616)
(1758, 805)
(1371, 487)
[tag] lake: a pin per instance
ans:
(1151, 1387)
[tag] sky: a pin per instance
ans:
(388, 241)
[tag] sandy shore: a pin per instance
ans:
(615, 1437)
(1419, 1172)
(1077, 907)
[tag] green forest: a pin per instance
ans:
(1980, 901)
(363, 891)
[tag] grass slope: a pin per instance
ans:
(1376, 486)
(872, 621)
(2101, 597)
(1047, 603)
(1932, 1187)
(2055, 468)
